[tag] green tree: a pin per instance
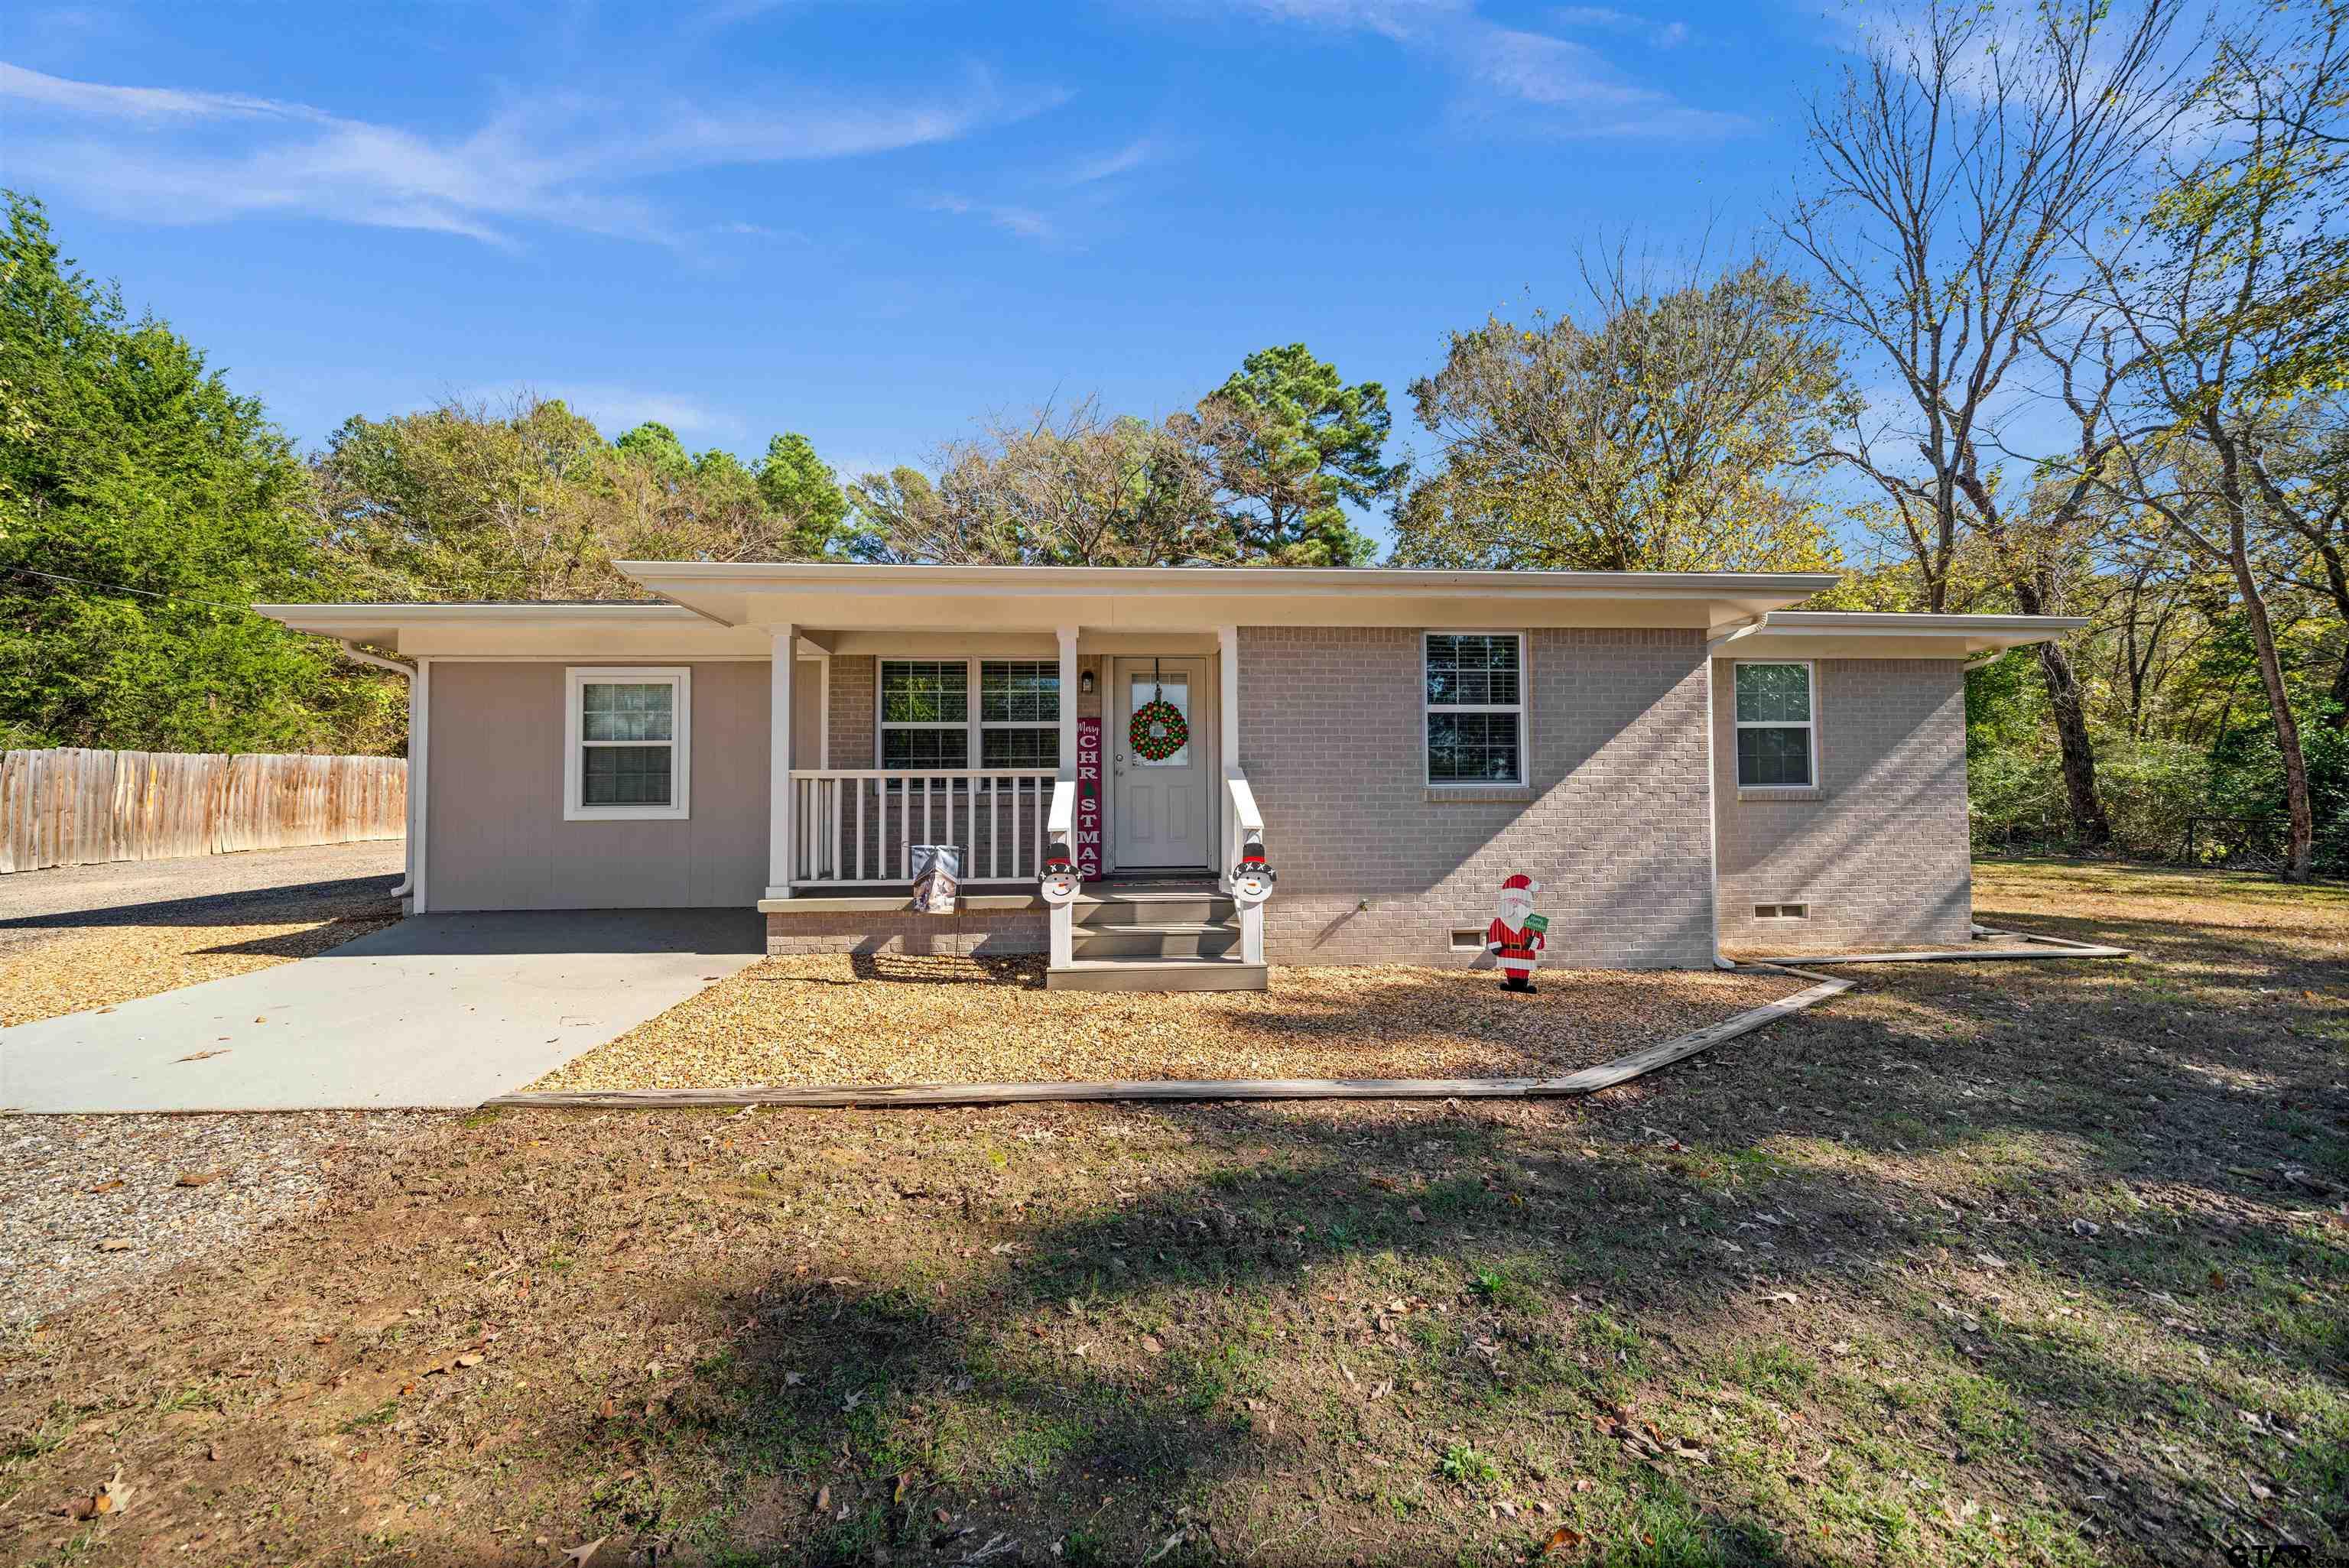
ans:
(1286, 446)
(142, 506)
(654, 448)
(1674, 435)
(464, 502)
(1077, 488)
(802, 486)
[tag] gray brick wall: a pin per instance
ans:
(855, 700)
(1878, 851)
(988, 930)
(1612, 822)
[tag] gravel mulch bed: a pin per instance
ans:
(88, 1203)
(887, 1019)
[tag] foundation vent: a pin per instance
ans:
(1782, 912)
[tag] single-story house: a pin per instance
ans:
(1677, 758)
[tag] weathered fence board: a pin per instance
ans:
(76, 807)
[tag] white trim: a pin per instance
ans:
(679, 679)
(782, 664)
(420, 780)
(1251, 580)
(1811, 724)
(1712, 813)
(1065, 699)
(1228, 730)
(823, 712)
(1522, 709)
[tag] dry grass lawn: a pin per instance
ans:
(1979, 1264)
(892, 1019)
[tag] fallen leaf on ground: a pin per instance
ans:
(578, 1555)
(111, 1497)
(115, 1244)
(200, 1056)
(1565, 1538)
(198, 1178)
(114, 1185)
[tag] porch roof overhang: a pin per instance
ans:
(1884, 635)
(1030, 599)
(550, 630)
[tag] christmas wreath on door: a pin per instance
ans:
(1158, 729)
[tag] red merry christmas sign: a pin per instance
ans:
(1089, 798)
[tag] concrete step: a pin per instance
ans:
(1156, 974)
(1159, 939)
(1134, 908)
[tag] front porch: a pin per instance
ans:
(874, 732)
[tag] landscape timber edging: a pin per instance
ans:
(1589, 1080)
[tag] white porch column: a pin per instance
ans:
(780, 795)
(1069, 699)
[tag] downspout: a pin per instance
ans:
(1713, 780)
(358, 654)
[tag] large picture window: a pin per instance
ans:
(929, 708)
(1776, 727)
(626, 746)
(1474, 692)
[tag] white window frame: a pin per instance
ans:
(576, 679)
(1811, 726)
(981, 725)
(1520, 708)
(974, 728)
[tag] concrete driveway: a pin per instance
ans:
(441, 1010)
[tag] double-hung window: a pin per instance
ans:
(1475, 704)
(628, 747)
(1019, 713)
(925, 714)
(1776, 727)
(929, 708)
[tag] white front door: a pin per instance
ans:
(1159, 812)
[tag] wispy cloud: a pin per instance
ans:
(618, 409)
(1110, 165)
(1606, 19)
(1025, 221)
(171, 154)
(1545, 83)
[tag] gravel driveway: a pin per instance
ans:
(36, 906)
(88, 1203)
(75, 939)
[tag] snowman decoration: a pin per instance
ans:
(1514, 938)
(1252, 879)
(1061, 881)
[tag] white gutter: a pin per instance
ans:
(1713, 783)
(415, 787)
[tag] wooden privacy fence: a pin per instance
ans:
(74, 807)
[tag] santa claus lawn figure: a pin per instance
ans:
(1515, 937)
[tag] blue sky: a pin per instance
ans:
(875, 222)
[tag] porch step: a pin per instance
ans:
(1156, 974)
(1157, 939)
(1130, 906)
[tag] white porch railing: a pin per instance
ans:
(1061, 830)
(856, 827)
(1243, 825)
